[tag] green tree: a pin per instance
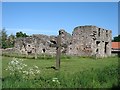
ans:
(10, 41)
(116, 39)
(0, 38)
(21, 34)
(3, 38)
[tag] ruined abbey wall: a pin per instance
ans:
(84, 41)
(91, 41)
(39, 44)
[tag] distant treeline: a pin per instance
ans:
(116, 39)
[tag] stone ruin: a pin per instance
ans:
(84, 41)
(90, 41)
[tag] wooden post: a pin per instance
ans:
(35, 49)
(58, 52)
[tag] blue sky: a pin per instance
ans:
(49, 17)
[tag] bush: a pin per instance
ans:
(18, 70)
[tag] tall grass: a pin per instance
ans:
(75, 72)
(32, 56)
(93, 78)
(47, 57)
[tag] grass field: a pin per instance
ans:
(75, 72)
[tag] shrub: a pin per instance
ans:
(16, 67)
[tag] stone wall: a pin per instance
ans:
(36, 44)
(91, 41)
(84, 41)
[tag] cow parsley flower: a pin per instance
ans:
(17, 67)
(55, 80)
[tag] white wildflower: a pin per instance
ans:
(56, 80)
(25, 65)
(16, 62)
(53, 80)
(25, 72)
(21, 59)
(37, 71)
(36, 66)
(16, 67)
(12, 62)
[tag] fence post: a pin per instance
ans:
(35, 49)
(58, 52)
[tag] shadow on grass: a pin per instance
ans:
(52, 67)
(115, 87)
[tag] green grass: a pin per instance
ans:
(74, 72)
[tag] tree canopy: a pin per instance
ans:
(3, 39)
(21, 34)
(8, 41)
(116, 39)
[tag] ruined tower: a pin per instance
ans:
(90, 41)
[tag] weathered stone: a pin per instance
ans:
(90, 41)
(84, 41)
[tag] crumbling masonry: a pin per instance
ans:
(84, 41)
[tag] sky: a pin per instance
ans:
(49, 17)
(60, 0)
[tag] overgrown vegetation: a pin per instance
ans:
(94, 78)
(7, 41)
(75, 72)
(116, 39)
